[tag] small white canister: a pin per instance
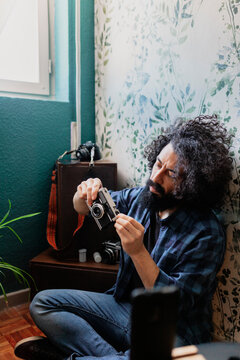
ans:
(97, 257)
(82, 255)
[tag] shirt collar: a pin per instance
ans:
(174, 220)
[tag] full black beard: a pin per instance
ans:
(154, 202)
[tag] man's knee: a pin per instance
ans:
(39, 301)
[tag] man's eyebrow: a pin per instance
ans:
(158, 159)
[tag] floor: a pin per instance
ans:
(15, 324)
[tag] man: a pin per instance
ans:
(169, 235)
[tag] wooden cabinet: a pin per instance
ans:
(51, 273)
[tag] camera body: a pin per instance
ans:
(83, 152)
(103, 209)
(110, 252)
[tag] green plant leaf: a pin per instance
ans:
(158, 115)
(179, 106)
(154, 121)
(182, 39)
(191, 109)
(7, 213)
(21, 275)
(4, 293)
(2, 273)
(14, 232)
(19, 218)
(186, 16)
(101, 39)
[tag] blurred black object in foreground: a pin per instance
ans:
(154, 318)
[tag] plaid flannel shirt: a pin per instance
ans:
(189, 252)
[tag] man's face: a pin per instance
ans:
(158, 194)
(163, 172)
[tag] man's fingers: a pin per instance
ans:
(82, 190)
(97, 184)
(88, 189)
(120, 226)
(128, 222)
(130, 232)
(125, 224)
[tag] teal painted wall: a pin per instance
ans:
(33, 134)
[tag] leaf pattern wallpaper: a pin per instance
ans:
(156, 61)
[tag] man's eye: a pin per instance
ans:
(171, 174)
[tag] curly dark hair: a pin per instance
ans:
(204, 165)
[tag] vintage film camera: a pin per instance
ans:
(110, 252)
(103, 209)
(87, 150)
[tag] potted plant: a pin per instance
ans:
(21, 275)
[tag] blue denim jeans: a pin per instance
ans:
(85, 325)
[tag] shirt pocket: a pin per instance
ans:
(165, 260)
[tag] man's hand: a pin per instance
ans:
(131, 234)
(87, 190)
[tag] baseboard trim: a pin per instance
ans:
(15, 298)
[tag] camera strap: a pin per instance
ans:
(92, 156)
(66, 153)
(80, 223)
(51, 232)
(52, 212)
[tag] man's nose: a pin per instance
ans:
(157, 175)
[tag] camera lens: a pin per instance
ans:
(97, 211)
(108, 256)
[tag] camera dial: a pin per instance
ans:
(97, 211)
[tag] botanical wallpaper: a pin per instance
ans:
(157, 60)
